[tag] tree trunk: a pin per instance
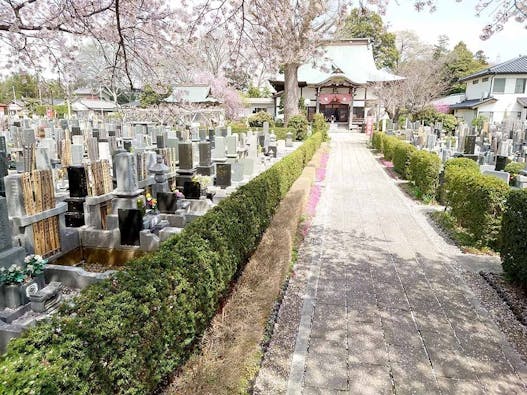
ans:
(291, 92)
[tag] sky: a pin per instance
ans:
(458, 21)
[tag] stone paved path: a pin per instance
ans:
(386, 310)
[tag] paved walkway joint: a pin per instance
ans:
(386, 310)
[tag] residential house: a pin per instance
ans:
(497, 92)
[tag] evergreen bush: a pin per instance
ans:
(298, 126)
(124, 335)
(514, 237)
(257, 120)
(423, 171)
(401, 158)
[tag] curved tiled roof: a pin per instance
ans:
(514, 66)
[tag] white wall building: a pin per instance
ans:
(498, 93)
(338, 88)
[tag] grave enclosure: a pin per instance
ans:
(92, 195)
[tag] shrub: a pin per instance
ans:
(514, 237)
(320, 125)
(477, 203)
(455, 168)
(389, 143)
(125, 334)
(514, 169)
(401, 158)
(298, 125)
(377, 140)
(257, 120)
(423, 171)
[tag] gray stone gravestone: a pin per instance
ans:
(205, 159)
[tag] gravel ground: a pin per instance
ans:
(502, 313)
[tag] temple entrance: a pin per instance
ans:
(336, 112)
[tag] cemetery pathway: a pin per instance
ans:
(386, 309)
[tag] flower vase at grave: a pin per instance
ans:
(12, 296)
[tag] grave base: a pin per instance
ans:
(206, 170)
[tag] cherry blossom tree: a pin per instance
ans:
(130, 33)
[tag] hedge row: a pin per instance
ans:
(514, 237)
(420, 167)
(126, 334)
(476, 201)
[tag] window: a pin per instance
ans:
(520, 85)
(475, 82)
(499, 85)
(485, 79)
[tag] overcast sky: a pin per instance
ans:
(458, 21)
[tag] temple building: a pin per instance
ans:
(340, 85)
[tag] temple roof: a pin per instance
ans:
(349, 59)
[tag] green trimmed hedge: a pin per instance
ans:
(388, 146)
(514, 237)
(401, 158)
(377, 140)
(423, 171)
(298, 125)
(320, 125)
(125, 334)
(476, 201)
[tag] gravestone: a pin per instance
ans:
(185, 156)
(248, 166)
(205, 166)
(77, 154)
(289, 139)
(470, 145)
(186, 164)
(167, 202)
(237, 172)
(218, 154)
(28, 137)
(223, 175)
(9, 255)
(502, 175)
(42, 159)
(126, 173)
(212, 138)
(191, 190)
(431, 141)
(130, 225)
(232, 148)
(202, 134)
(161, 141)
(501, 162)
(78, 182)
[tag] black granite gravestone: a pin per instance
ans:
(223, 175)
(127, 145)
(95, 133)
(76, 131)
(167, 202)
(470, 144)
(191, 190)
(77, 181)
(130, 225)
(501, 162)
